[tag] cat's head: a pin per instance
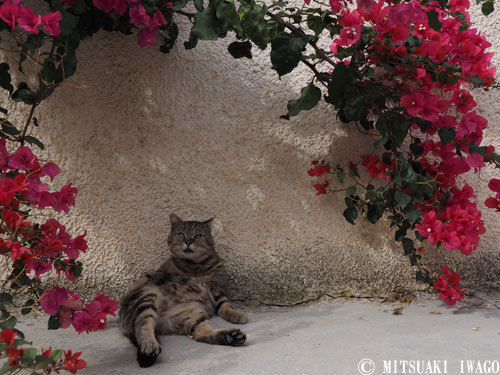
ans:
(191, 240)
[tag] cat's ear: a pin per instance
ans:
(209, 222)
(174, 219)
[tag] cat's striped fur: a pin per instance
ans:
(181, 295)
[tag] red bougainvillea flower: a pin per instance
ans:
(431, 227)
(72, 363)
(448, 285)
(318, 171)
(14, 355)
(321, 188)
(7, 336)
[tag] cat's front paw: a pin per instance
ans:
(240, 318)
(235, 337)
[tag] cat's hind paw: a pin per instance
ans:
(235, 337)
(147, 353)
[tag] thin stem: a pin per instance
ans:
(28, 122)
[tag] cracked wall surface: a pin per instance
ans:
(142, 134)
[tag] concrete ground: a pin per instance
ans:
(335, 337)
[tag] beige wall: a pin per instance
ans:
(197, 133)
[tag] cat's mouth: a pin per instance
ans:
(188, 251)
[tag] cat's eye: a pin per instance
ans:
(198, 236)
(180, 236)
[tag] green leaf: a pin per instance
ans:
(400, 233)
(5, 368)
(192, 42)
(5, 299)
(54, 322)
(350, 190)
(351, 214)
(286, 52)
(446, 135)
(412, 213)
(179, 4)
(240, 49)
(354, 107)
(77, 269)
(24, 94)
(341, 176)
(204, 24)
(28, 356)
(56, 355)
(433, 18)
(375, 212)
(488, 7)
(34, 141)
(27, 307)
(198, 4)
(8, 127)
(309, 97)
(225, 11)
(315, 23)
(399, 131)
(401, 198)
(68, 23)
(5, 79)
(408, 246)
(169, 37)
(254, 24)
(11, 323)
(41, 362)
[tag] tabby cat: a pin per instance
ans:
(181, 295)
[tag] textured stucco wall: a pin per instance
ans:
(197, 133)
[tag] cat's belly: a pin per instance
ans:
(186, 299)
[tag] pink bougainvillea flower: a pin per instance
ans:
(138, 15)
(9, 12)
(23, 159)
(413, 102)
(7, 336)
(28, 20)
(158, 19)
(147, 36)
(51, 170)
(82, 321)
(494, 185)
(494, 203)
(51, 23)
(365, 6)
(65, 197)
(108, 306)
(105, 5)
(74, 303)
(40, 267)
(53, 299)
